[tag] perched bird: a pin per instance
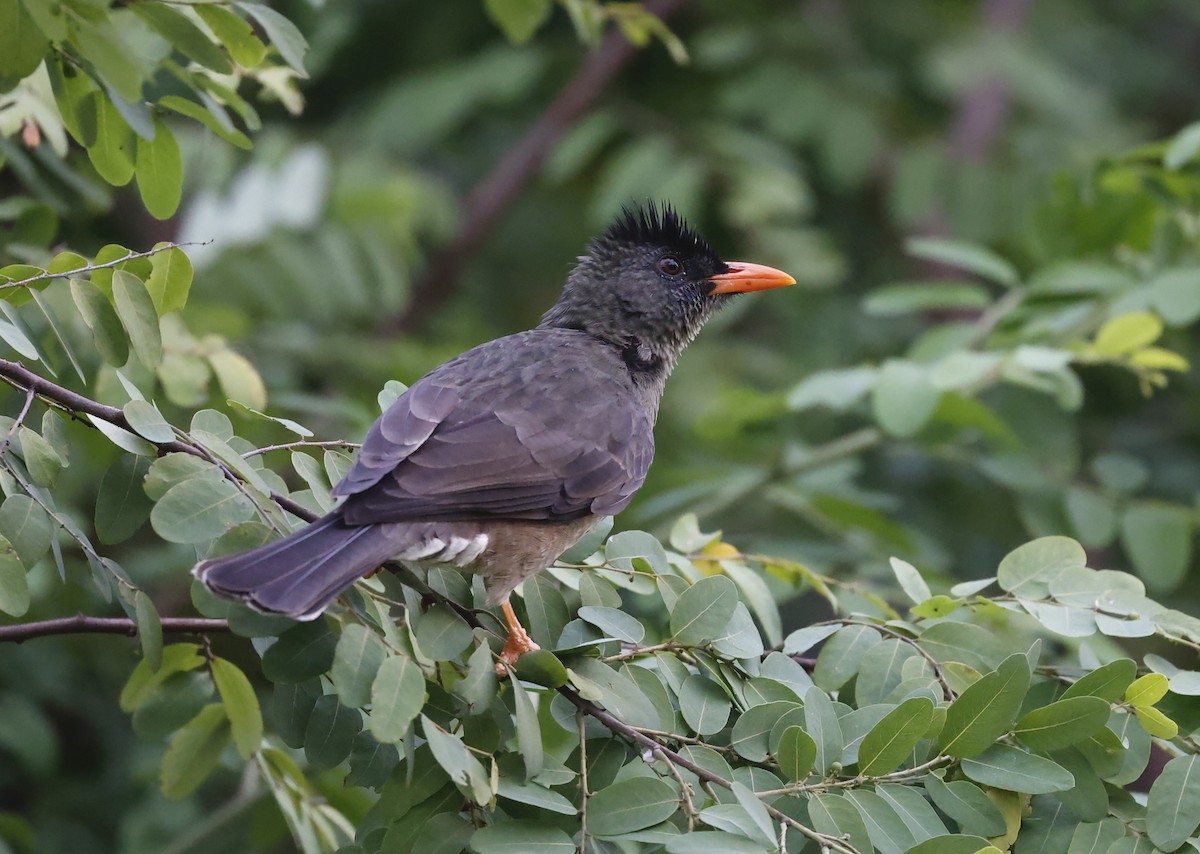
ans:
(503, 457)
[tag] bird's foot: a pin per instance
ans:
(519, 642)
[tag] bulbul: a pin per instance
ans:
(503, 457)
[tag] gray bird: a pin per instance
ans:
(503, 457)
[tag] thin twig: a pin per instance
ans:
(81, 624)
(619, 727)
(287, 446)
(20, 419)
(87, 268)
(584, 794)
(938, 673)
(18, 376)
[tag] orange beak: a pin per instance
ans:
(744, 276)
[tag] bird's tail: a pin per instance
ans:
(299, 575)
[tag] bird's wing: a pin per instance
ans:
(538, 438)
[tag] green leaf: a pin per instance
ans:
(41, 458)
(397, 695)
(177, 658)
(174, 468)
(542, 667)
(888, 831)
(238, 378)
(291, 707)
(704, 705)
(189, 39)
(159, 167)
(1028, 570)
(1182, 148)
(1093, 516)
(27, 528)
(1122, 335)
(903, 398)
(836, 389)
(97, 312)
(1158, 538)
(442, 634)
(842, 655)
(14, 583)
(212, 117)
(967, 804)
(172, 704)
(703, 610)
(147, 421)
(194, 752)
(521, 837)
(330, 734)
(984, 711)
(753, 728)
(149, 630)
(371, 762)
(170, 279)
(1173, 807)
(529, 733)
(966, 256)
(282, 33)
(835, 816)
(1062, 723)
(113, 152)
(456, 760)
(1107, 682)
(1147, 690)
(356, 661)
(908, 297)
(1008, 768)
(535, 796)
(235, 34)
(891, 740)
(614, 623)
(241, 706)
(796, 753)
(199, 510)
(300, 653)
(519, 19)
(137, 312)
(910, 581)
(631, 805)
(22, 43)
(954, 843)
(477, 688)
(1096, 837)
(1175, 295)
(821, 723)
(1155, 722)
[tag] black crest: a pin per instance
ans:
(659, 225)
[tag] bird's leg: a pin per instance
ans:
(519, 642)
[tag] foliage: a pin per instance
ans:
(863, 661)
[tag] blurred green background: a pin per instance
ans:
(815, 136)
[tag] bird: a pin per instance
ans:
(502, 458)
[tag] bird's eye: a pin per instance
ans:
(669, 265)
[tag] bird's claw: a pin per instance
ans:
(519, 642)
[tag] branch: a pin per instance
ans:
(619, 727)
(492, 195)
(84, 625)
(18, 376)
(87, 268)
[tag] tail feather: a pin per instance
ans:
(299, 575)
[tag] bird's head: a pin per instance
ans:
(650, 282)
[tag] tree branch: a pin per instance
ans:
(491, 196)
(618, 727)
(81, 624)
(20, 377)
